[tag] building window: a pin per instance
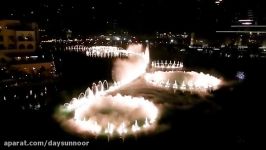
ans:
(30, 46)
(2, 46)
(29, 38)
(21, 46)
(11, 46)
(11, 38)
(21, 38)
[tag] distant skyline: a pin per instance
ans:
(86, 16)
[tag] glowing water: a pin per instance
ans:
(98, 113)
(125, 71)
(191, 81)
(164, 65)
(112, 115)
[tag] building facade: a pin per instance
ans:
(17, 36)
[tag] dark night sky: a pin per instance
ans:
(131, 15)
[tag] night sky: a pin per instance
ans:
(87, 16)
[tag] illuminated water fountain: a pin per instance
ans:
(185, 81)
(168, 75)
(99, 51)
(165, 65)
(98, 112)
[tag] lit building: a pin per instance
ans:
(16, 36)
(247, 29)
(47, 68)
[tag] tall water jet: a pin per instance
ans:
(147, 55)
(105, 85)
(127, 70)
